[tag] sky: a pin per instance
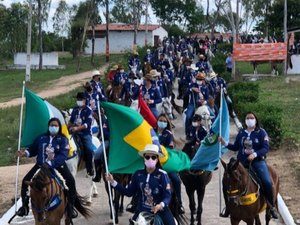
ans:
(54, 4)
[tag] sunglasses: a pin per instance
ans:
(147, 157)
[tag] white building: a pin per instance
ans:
(121, 37)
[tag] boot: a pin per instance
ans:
(131, 207)
(24, 209)
(71, 210)
(274, 213)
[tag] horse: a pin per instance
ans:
(245, 200)
(113, 93)
(49, 200)
(205, 115)
(76, 163)
(273, 65)
(195, 182)
(147, 67)
(146, 218)
(166, 107)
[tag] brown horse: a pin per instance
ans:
(195, 182)
(49, 200)
(245, 200)
(147, 67)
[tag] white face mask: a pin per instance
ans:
(250, 123)
(199, 82)
(195, 124)
(122, 71)
(80, 103)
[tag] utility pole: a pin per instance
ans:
(28, 56)
(134, 22)
(146, 23)
(107, 31)
(285, 35)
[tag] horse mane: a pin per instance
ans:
(41, 178)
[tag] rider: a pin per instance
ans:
(152, 186)
(197, 132)
(134, 62)
(166, 138)
(52, 150)
(130, 89)
(120, 77)
(252, 145)
(148, 58)
(151, 93)
(198, 96)
(202, 64)
(80, 124)
(97, 86)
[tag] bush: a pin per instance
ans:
(218, 63)
(225, 48)
(269, 116)
(243, 92)
(245, 96)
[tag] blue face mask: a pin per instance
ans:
(53, 130)
(161, 124)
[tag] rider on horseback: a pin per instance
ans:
(196, 133)
(252, 145)
(152, 185)
(198, 95)
(52, 151)
(80, 124)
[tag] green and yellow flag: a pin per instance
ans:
(129, 134)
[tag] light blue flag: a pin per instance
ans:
(208, 154)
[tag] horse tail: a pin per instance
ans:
(81, 204)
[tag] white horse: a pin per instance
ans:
(166, 107)
(205, 115)
(146, 218)
(72, 163)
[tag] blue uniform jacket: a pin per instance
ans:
(216, 84)
(59, 144)
(98, 88)
(91, 100)
(196, 135)
(80, 117)
(260, 144)
(148, 58)
(194, 97)
(161, 85)
(152, 93)
(165, 138)
(119, 78)
(133, 61)
(202, 66)
(152, 189)
(130, 91)
(163, 62)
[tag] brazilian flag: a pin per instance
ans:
(129, 134)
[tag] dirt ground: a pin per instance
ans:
(282, 160)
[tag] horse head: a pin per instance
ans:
(167, 107)
(235, 181)
(40, 193)
(205, 115)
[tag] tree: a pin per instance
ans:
(122, 12)
(212, 17)
(61, 21)
(80, 23)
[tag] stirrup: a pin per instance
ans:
(23, 211)
(130, 208)
(274, 213)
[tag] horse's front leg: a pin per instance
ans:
(200, 193)
(257, 220)
(192, 204)
(234, 221)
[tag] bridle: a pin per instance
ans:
(53, 200)
(239, 193)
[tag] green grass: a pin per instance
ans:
(11, 80)
(247, 68)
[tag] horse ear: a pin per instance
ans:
(28, 183)
(236, 164)
(224, 164)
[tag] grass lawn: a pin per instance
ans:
(11, 80)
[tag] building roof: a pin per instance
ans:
(125, 27)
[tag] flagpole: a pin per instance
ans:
(105, 160)
(220, 148)
(19, 144)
